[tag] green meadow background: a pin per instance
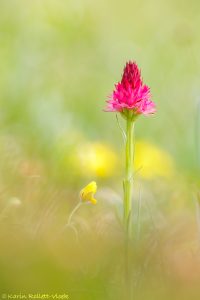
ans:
(59, 61)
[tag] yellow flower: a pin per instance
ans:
(87, 193)
(152, 161)
(96, 159)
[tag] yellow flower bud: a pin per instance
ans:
(87, 193)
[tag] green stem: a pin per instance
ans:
(73, 212)
(128, 174)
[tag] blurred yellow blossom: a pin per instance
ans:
(96, 159)
(87, 193)
(152, 161)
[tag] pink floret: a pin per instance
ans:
(131, 94)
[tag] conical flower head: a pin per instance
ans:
(131, 76)
(131, 95)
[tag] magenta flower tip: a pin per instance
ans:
(131, 94)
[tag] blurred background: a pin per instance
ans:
(59, 62)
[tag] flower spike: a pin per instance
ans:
(131, 97)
